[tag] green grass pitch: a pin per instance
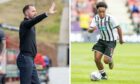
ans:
(126, 60)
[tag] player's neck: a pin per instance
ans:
(101, 17)
(27, 17)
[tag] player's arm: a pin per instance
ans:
(91, 29)
(92, 26)
(37, 19)
(119, 30)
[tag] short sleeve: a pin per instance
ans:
(93, 23)
(114, 22)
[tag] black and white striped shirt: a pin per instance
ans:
(106, 26)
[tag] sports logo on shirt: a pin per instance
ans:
(103, 28)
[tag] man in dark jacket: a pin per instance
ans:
(27, 36)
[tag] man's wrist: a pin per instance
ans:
(46, 13)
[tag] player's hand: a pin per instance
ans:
(90, 30)
(121, 41)
(52, 9)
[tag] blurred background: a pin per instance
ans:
(127, 13)
(52, 59)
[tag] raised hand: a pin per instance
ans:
(52, 8)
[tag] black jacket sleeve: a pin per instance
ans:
(32, 22)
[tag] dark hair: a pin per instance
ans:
(26, 7)
(101, 4)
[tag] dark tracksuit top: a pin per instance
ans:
(27, 35)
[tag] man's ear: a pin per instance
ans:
(26, 13)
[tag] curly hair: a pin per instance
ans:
(101, 4)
